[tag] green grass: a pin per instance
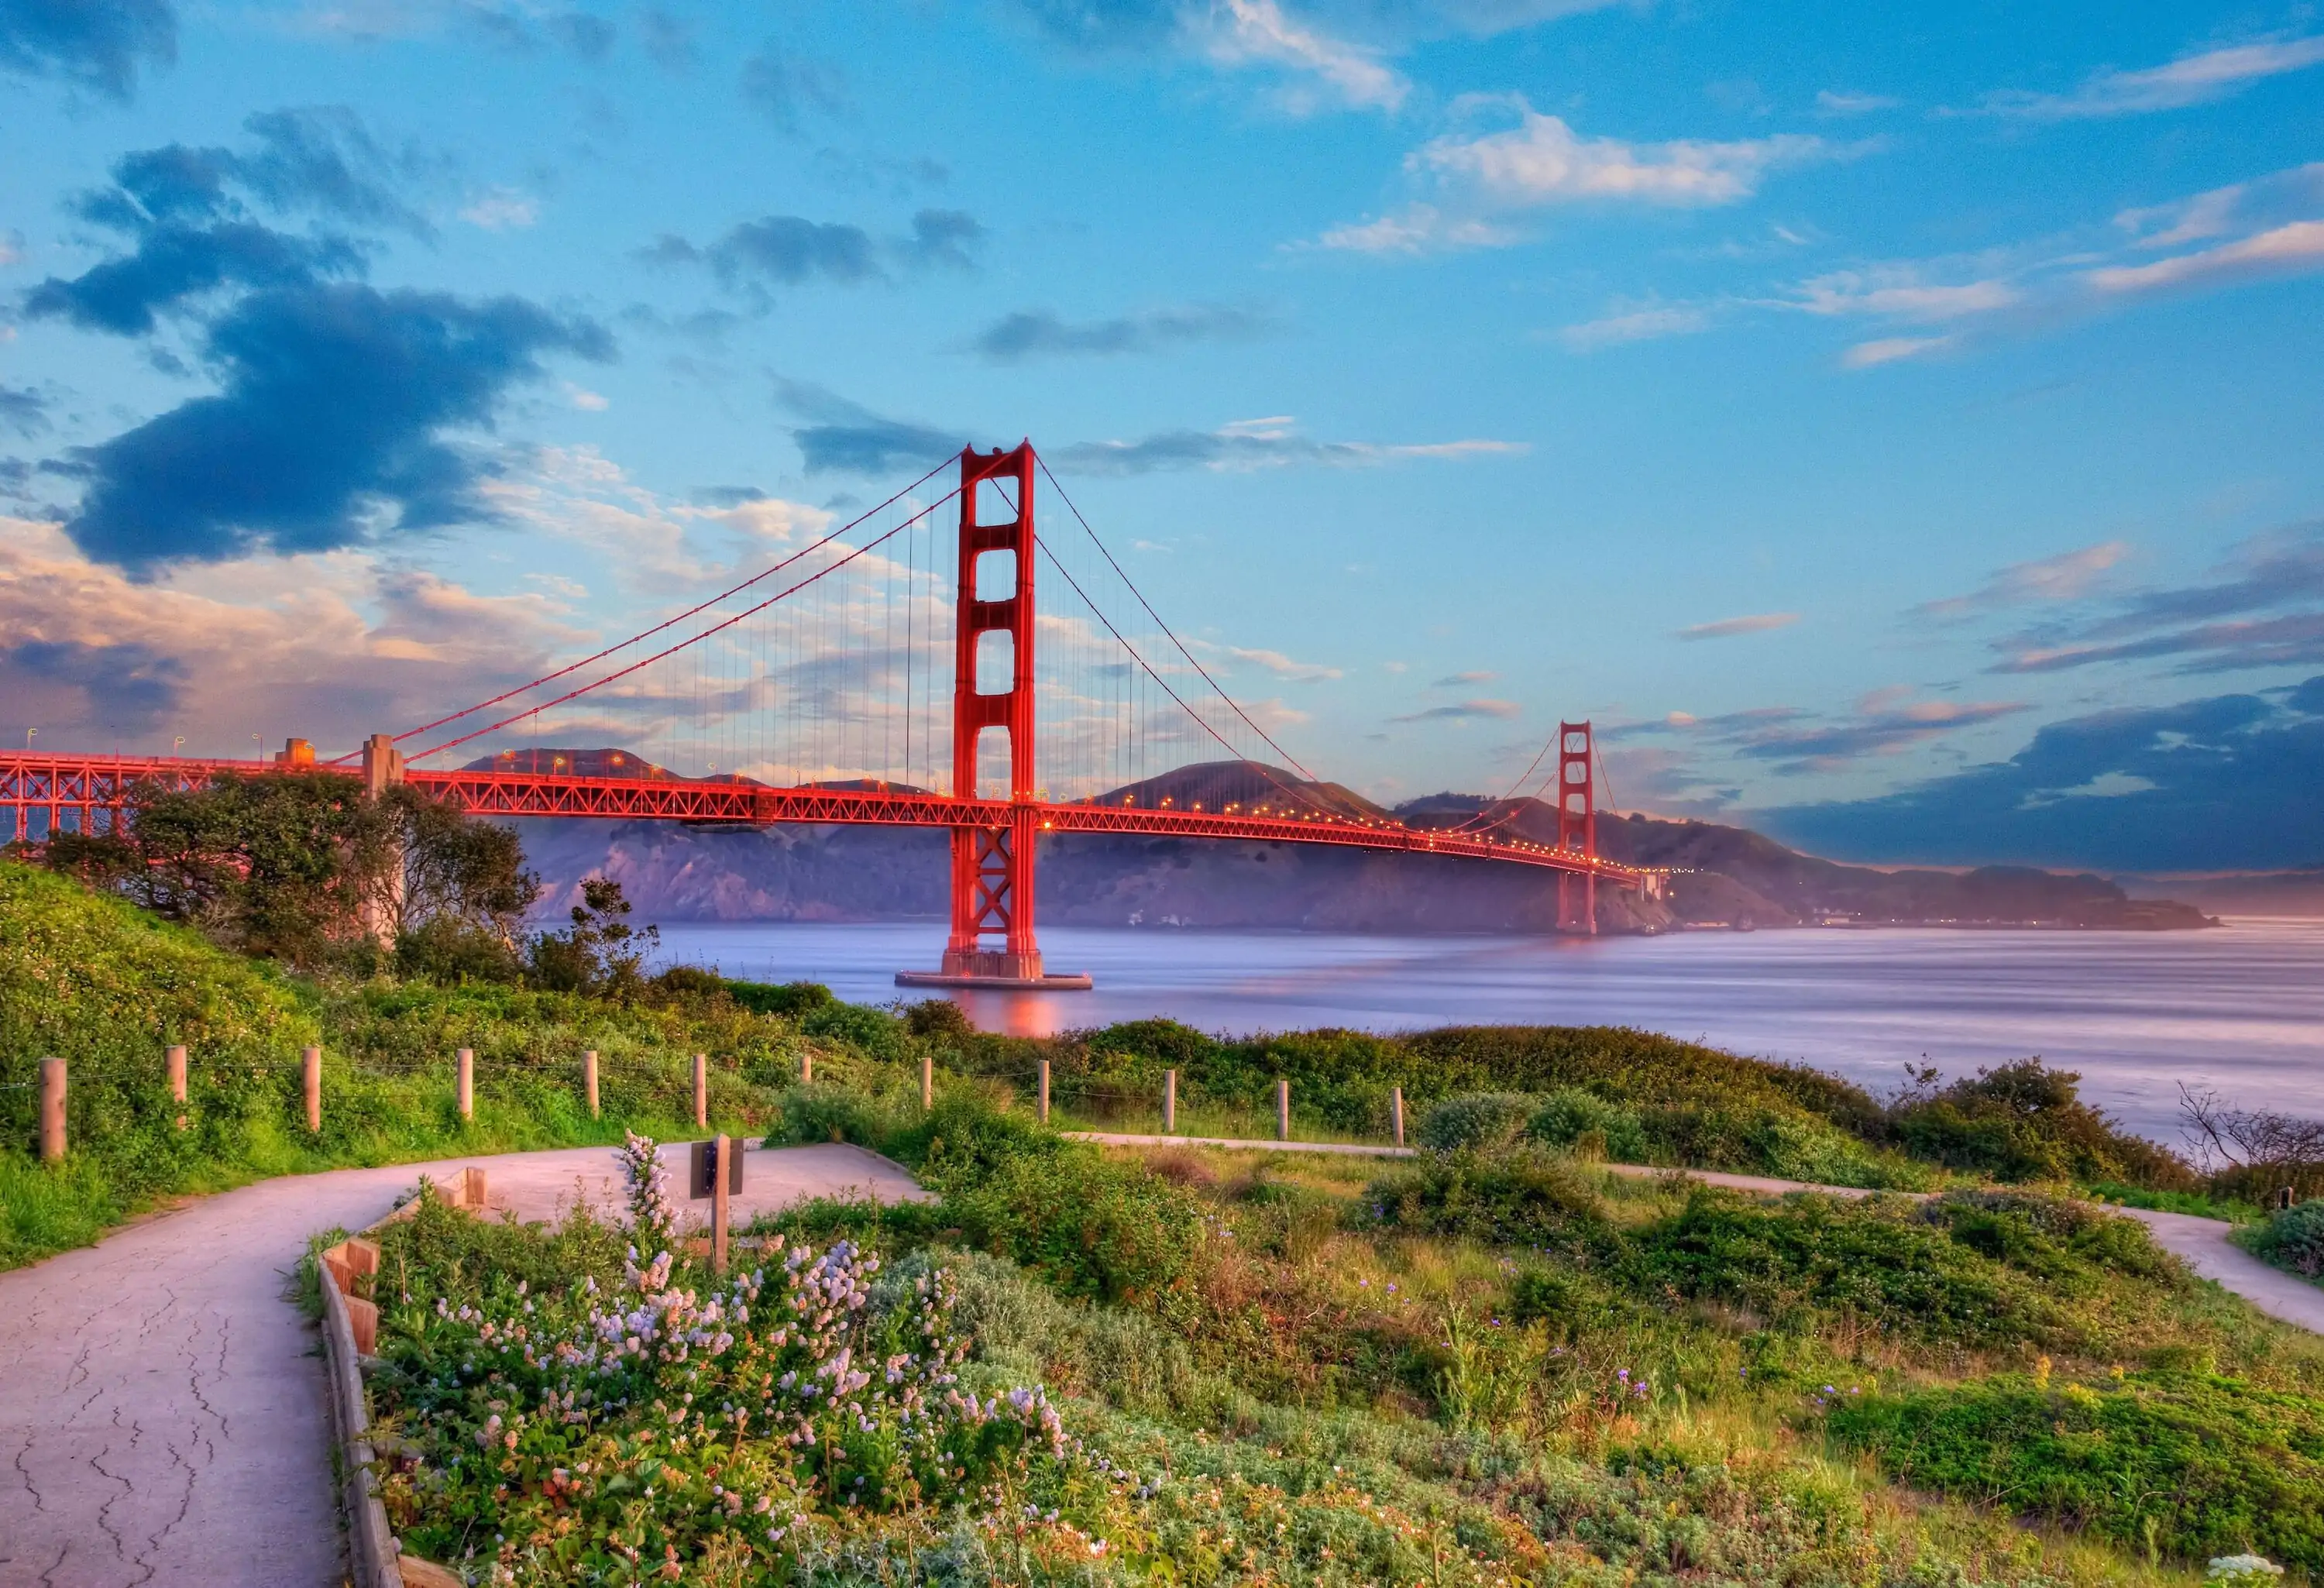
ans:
(2202, 1204)
(92, 980)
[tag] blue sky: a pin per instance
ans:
(1897, 433)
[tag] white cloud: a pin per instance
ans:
(503, 209)
(584, 399)
(1474, 179)
(2192, 79)
(1244, 31)
(2287, 250)
(1259, 443)
(1728, 627)
(2066, 577)
(1901, 292)
(1418, 228)
(1635, 325)
(1282, 666)
(1541, 160)
(1832, 102)
(1889, 349)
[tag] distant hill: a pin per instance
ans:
(1722, 876)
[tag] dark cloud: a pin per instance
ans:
(2238, 619)
(728, 496)
(190, 214)
(940, 238)
(1884, 723)
(26, 412)
(1105, 25)
(590, 38)
(782, 85)
(1466, 710)
(127, 687)
(335, 425)
(844, 437)
(669, 38)
(1034, 333)
(1462, 680)
(2227, 781)
(175, 264)
(786, 249)
(99, 44)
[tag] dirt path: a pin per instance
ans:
(162, 1406)
(2202, 1243)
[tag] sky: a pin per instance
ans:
(1897, 432)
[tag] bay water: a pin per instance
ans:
(2238, 1007)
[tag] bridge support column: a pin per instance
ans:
(991, 943)
(1577, 825)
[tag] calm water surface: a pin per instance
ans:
(2240, 1007)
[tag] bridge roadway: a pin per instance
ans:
(86, 784)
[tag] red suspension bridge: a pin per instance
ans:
(895, 671)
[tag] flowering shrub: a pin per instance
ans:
(650, 1425)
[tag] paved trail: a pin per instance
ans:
(2202, 1243)
(162, 1405)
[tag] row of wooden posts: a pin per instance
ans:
(52, 1095)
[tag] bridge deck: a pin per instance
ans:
(72, 790)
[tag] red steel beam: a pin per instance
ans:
(85, 784)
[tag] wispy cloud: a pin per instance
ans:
(2068, 577)
(1239, 32)
(1540, 161)
(1464, 680)
(501, 209)
(1635, 325)
(1835, 102)
(1892, 349)
(1885, 722)
(1728, 627)
(1282, 666)
(2263, 608)
(2294, 249)
(1464, 711)
(1257, 443)
(1037, 332)
(2192, 79)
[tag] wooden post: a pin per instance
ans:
(1045, 1091)
(807, 1068)
(467, 1083)
(1283, 1110)
(53, 1110)
(312, 1063)
(1169, 1103)
(927, 1083)
(589, 1079)
(720, 1148)
(1396, 1114)
(701, 1091)
(178, 1079)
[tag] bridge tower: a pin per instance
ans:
(1577, 825)
(992, 864)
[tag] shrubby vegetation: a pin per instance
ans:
(1493, 1364)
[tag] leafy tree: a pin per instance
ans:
(601, 952)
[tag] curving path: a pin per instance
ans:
(2203, 1243)
(162, 1405)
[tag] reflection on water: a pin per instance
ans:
(2241, 1008)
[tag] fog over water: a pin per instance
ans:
(2240, 1007)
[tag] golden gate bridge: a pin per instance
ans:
(896, 671)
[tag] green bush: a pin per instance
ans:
(2293, 1239)
(1479, 1122)
(1581, 1120)
(1809, 1260)
(1095, 1228)
(2214, 1465)
(793, 999)
(1520, 1196)
(2024, 1121)
(823, 1113)
(869, 1030)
